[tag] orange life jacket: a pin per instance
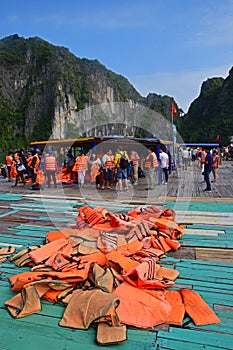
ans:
(215, 161)
(36, 163)
(8, 160)
(50, 163)
(202, 155)
(109, 164)
(95, 171)
(153, 163)
(80, 163)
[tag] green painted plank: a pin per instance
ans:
(226, 326)
(201, 206)
(225, 278)
(50, 335)
(18, 240)
(199, 263)
(174, 344)
(10, 197)
(193, 237)
(224, 315)
(213, 290)
(30, 234)
(216, 276)
(8, 213)
(209, 227)
(216, 298)
(207, 244)
(205, 265)
(188, 282)
(34, 228)
(224, 237)
(220, 340)
(53, 219)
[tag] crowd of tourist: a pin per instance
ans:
(110, 170)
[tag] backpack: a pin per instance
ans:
(123, 161)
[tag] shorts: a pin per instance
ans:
(121, 174)
(107, 174)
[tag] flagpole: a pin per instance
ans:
(173, 140)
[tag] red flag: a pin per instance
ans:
(217, 137)
(174, 111)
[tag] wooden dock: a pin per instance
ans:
(205, 259)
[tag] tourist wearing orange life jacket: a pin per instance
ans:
(202, 159)
(33, 164)
(151, 166)
(108, 167)
(50, 168)
(215, 164)
(95, 170)
(20, 168)
(9, 160)
(81, 166)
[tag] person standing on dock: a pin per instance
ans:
(215, 164)
(151, 166)
(50, 168)
(121, 163)
(164, 163)
(81, 166)
(208, 169)
(9, 161)
(134, 159)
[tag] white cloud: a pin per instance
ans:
(183, 86)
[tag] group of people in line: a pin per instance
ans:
(105, 171)
(108, 170)
(121, 168)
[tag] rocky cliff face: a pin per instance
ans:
(211, 114)
(42, 87)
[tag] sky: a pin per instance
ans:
(167, 47)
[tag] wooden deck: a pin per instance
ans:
(205, 260)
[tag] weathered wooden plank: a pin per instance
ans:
(194, 283)
(206, 214)
(207, 243)
(200, 263)
(205, 288)
(34, 228)
(216, 272)
(191, 219)
(174, 344)
(202, 232)
(11, 197)
(220, 340)
(226, 326)
(45, 333)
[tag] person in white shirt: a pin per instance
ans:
(186, 157)
(164, 164)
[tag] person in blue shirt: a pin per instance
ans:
(208, 169)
